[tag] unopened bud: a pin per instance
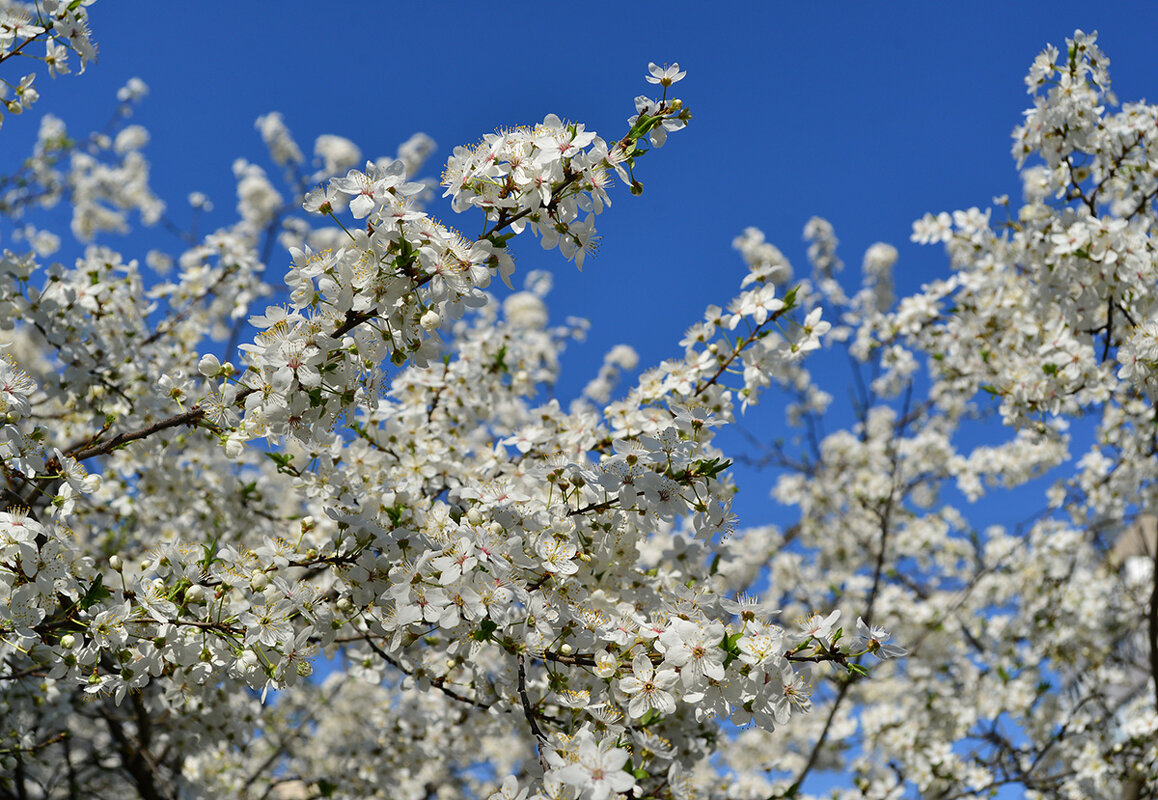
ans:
(430, 320)
(209, 366)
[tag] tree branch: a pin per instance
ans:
(528, 711)
(190, 417)
(1152, 619)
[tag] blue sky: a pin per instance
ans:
(865, 116)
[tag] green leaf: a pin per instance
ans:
(642, 125)
(210, 554)
(789, 298)
(95, 594)
(395, 513)
(710, 468)
(499, 240)
(284, 462)
(731, 646)
(500, 362)
(485, 629)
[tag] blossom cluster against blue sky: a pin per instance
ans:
(867, 117)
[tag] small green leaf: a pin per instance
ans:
(499, 240)
(210, 554)
(95, 593)
(500, 362)
(485, 629)
(790, 298)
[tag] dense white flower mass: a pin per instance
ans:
(519, 598)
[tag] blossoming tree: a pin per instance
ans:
(518, 599)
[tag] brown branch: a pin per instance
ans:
(1153, 624)
(577, 659)
(878, 568)
(283, 747)
(437, 683)
(792, 790)
(137, 761)
(849, 680)
(606, 504)
(51, 740)
(504, 221)
(16, 50)
(168, 324)
(352, 321)
(190, 417)
(739, 349)
(528, 711)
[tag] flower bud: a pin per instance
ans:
(209, 366)
(430, 320)
(234, 447)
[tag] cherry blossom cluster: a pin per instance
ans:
(424, 516)
(53, 28)
(1030, 642)
(366, 552)
(380, 294)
